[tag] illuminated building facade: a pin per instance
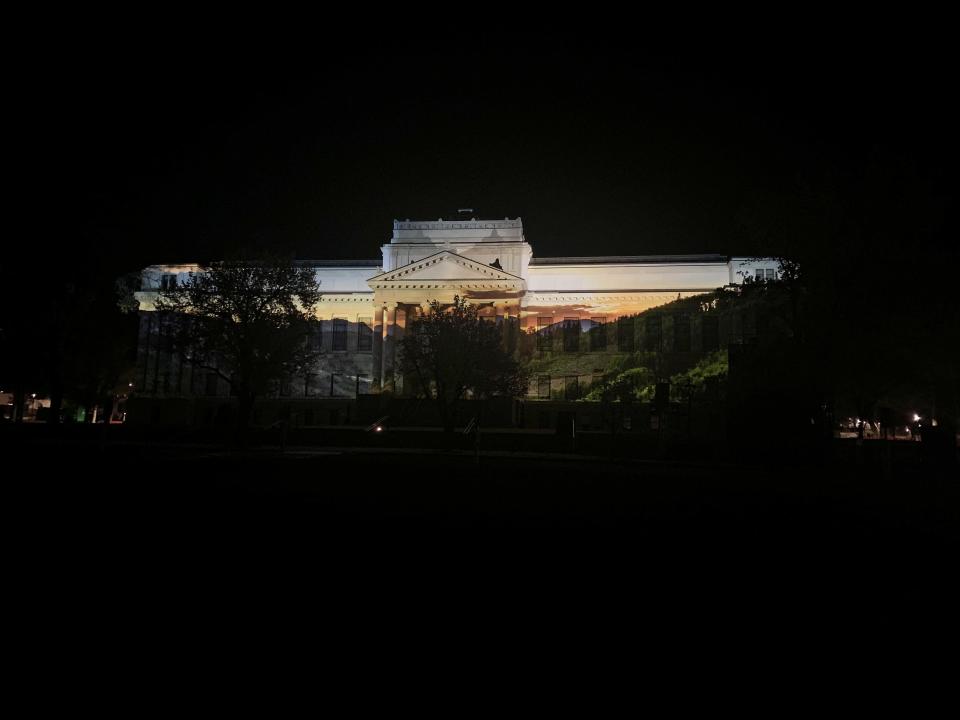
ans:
(578, 309)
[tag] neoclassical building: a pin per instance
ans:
(576, 308)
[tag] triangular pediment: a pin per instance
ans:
(445, 266)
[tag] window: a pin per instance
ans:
(596, 377)
(168, 281)
(625, 334)
(544, 336)
(364, 334)
(310, 385)
(571, 334)
(364, 384)
(342, 385)
(339, 334)
(285, 387)
(571, 388)
(316, 336)
(771, 274)
(543, 387)
(598, 334)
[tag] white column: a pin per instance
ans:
(377, 358)
(389, 346)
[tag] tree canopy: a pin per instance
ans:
(246, 320)
(451, 351)
(872, 286)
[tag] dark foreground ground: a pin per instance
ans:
(160, 532)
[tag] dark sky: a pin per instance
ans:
(150, 156)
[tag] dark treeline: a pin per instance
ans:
(870, 284)
(63, 334)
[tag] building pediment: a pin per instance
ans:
(447, 268)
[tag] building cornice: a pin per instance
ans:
(688, 260)
(505, 224)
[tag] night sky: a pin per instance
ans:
(188, 154)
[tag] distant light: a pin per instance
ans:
(378, 428)
(129, 384)
(33, 395)
(916, 418)
(908, 429)
(934, 422)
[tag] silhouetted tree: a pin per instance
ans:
(451, 352)
(870, 283)
(247, 321)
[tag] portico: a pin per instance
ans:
(402, 294)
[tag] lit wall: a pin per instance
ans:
(627, 276)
